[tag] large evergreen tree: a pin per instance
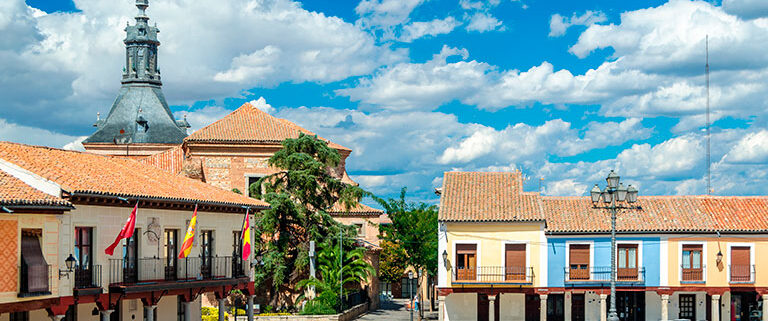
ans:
(300, 195)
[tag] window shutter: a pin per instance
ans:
(579, 254)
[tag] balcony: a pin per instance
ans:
(742, 274)
(603, 274)
(692, 275)
(87, 280)
(493, 275)
(176, 273)
(35, 280)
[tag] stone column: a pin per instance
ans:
(105, 314)
(567, 306)
(543, 309)
(187, 310)
(716, 307)
(765, 307)
(149, 311)
(665, 307)
(491, 309)
(603, 307)
(221, 309)
(441, 308)
(250, 307)
(57, 317)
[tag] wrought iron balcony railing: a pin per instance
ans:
(603, 274)
(742, 273)
(87, 277)
(493, 275)
(145, 270)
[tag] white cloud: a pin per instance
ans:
(748, 9)
(34, 136)
(416, 30)
(262, 105)
(59, 69)
(382, 14)
(752, 149)
(558, 24)
(483, 22)
(76, 144)
(202, 117)
(565, 187)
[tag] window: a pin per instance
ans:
(627, 262)
(35, 272)
(131, 257)
(466, 261)
(83, 255)
(578, 255)
(251, 181)
(19, 316)
(741, 266)
(514, 262)
(360, 228)
(692, 268)
(206, 250)
(688, 306)
(171, 253)
(237, 254)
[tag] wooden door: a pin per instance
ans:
(741, 268)
(688, 306)
(556, 307)
(514, 266)
(627, 262)
(466, 262)
(483, 305)
(578, 255)
(532, 307)
(577, 307)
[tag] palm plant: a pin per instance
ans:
(337, 270)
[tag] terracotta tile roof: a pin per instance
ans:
(661, 214)
(78, 172)
(250, 124)
(489, 197)
(360, 209)
(170, 160)
(14, 192)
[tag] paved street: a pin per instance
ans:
(391, 311)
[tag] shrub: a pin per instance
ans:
(317, 307)
(209, 311)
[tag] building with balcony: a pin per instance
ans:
(511, 255)
(60, 209)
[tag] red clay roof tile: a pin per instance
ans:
(14, 191)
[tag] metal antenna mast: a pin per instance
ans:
(709, 136)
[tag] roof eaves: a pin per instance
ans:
(167, 199)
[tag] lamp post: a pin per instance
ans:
(410, 290)
(613, 193)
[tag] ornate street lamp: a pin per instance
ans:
(615, 196)
(410, 290)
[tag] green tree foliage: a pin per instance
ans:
(300, 196)
(414, 228)
(336, 271)
(392, 262)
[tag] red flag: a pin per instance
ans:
(126, 232)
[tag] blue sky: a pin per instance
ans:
(561, 90)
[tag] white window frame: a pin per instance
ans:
(591, 254)
(527, 255)
(703, 259)
(751, 259)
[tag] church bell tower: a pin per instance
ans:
(140, 122)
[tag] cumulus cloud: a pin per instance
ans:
(565, 187)
(35, 136)
(752, 149)
(416, 30)
(748, 9)
(558, 24)
(483, 22)
(380, 14)
(49, 65)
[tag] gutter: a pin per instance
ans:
(165, 199)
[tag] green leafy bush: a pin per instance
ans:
(317, 307)
(209, 311)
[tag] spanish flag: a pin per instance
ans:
(186, 246)
(246, 237)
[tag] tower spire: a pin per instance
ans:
(141, 49)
